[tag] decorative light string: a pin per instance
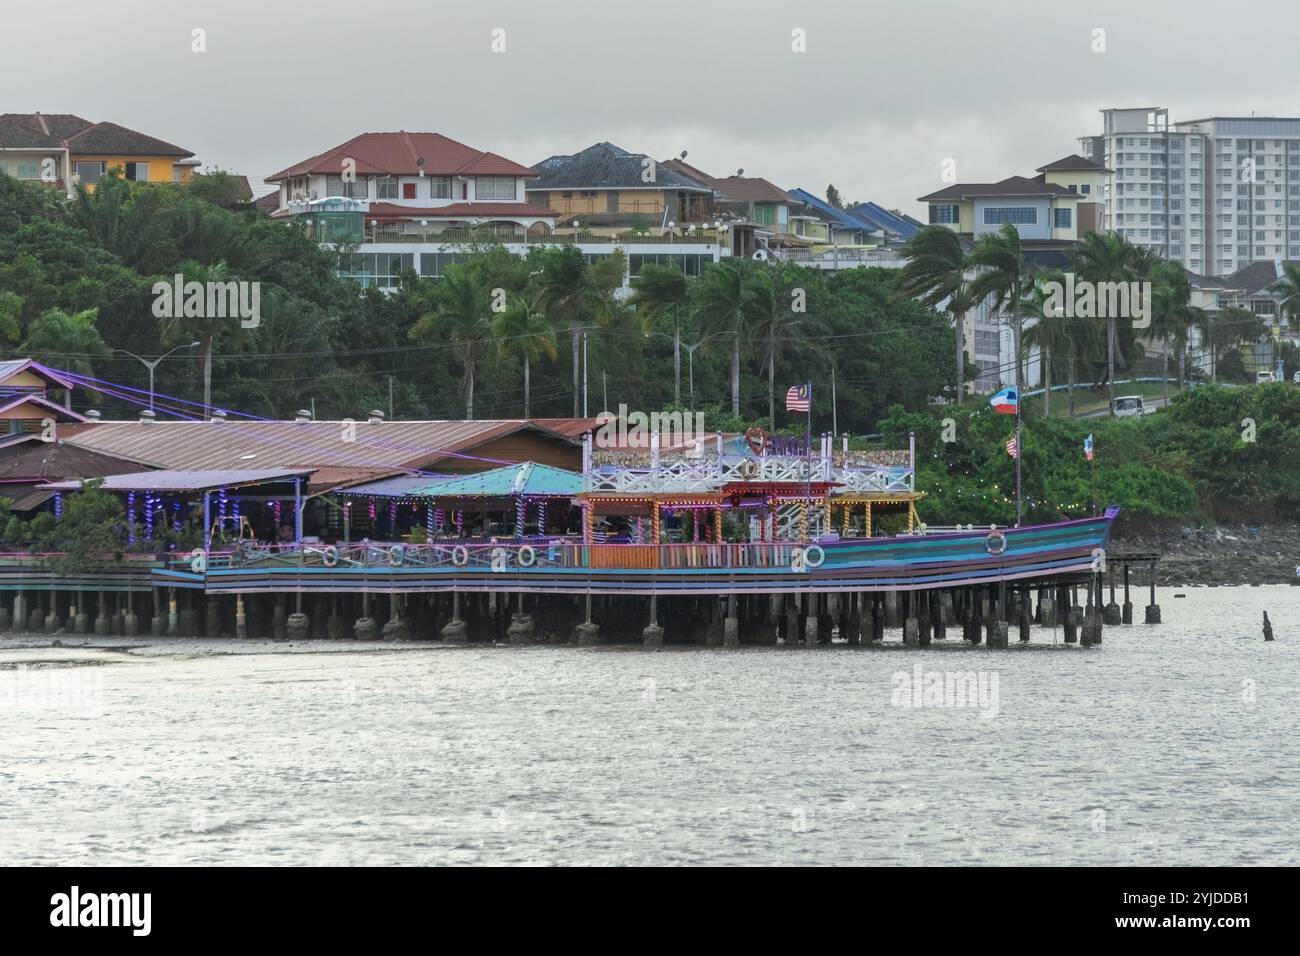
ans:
(130, 517)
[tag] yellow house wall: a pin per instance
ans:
(160, 167)
(647, 201)
(24, 379)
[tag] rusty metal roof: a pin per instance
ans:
(361, 445)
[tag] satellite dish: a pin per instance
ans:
(683, 156)
(760, 255)
(740, 172)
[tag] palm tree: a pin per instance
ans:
(577, 294)
(204, 328)
(1226, 329)
(66, 341)
(772, 321)
(936, 275)
(1288, 287)
(1052, 334)
(1172, 316)
(522, 330)
(720, 301)
(459, 310)
(663, 290)
(1108, 257)
(1003, 278)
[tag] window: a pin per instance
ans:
(136, 172)
(1062, 218)
(440, 187)
(335, 186)
(494, 187)
(29, 169)
(89, 172)
(1021, 215)
(1086, 189)
(386, 188)
(943, 213)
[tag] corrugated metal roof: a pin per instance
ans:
(527, 478)
(181, 480)
(238, 444)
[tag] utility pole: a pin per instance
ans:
(835, 413)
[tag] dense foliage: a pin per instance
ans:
(1217, 453)
(76, 284)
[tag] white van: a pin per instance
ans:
(1128, 406)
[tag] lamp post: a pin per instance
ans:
(151, 365)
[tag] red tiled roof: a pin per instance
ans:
(65, 131)
(458, 210)
(396, 154)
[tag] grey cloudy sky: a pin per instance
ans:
(884, 93)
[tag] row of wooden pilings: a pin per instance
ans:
(984, 614)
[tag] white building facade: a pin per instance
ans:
(1214, 194)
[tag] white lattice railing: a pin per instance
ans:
(711, 474)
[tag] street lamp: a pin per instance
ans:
(151, 365)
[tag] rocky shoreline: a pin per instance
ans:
(1220, 556)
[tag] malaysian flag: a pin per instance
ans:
(799, 398)
(1013, 449)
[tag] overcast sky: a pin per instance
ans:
(883, 94)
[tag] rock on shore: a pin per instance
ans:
(1224, 555)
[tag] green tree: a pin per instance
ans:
(719, 301)
(661, 292)
(579, 295)
(523, 331)
(88, 533)
(1102, 257)
(936, 274)
(67, 341)
(1003, 278)
(459, 312)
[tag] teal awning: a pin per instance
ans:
(526, 478)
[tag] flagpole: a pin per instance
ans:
(1020, 453)
(808, 435)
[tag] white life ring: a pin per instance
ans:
(808, 558)
(527, 556)
(396, 554)
(329, 556)
(749, 469)
(995, 543)
(460, 556)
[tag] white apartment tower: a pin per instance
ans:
(1213, 194)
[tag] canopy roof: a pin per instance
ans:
(527, 478)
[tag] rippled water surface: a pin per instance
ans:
(1170, 744)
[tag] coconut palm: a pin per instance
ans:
(1288, 287)
(205, 328)
(522, 330)
(578, 294)
(66, 341)
(720, 300)
(935, 274)
(1227, 328)
(458, 310)
(662, 291)
(1172, 316)
(1003, 278)
(1052, 333)
(773, 322)
(1102, 257)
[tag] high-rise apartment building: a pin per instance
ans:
(1213, 194)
